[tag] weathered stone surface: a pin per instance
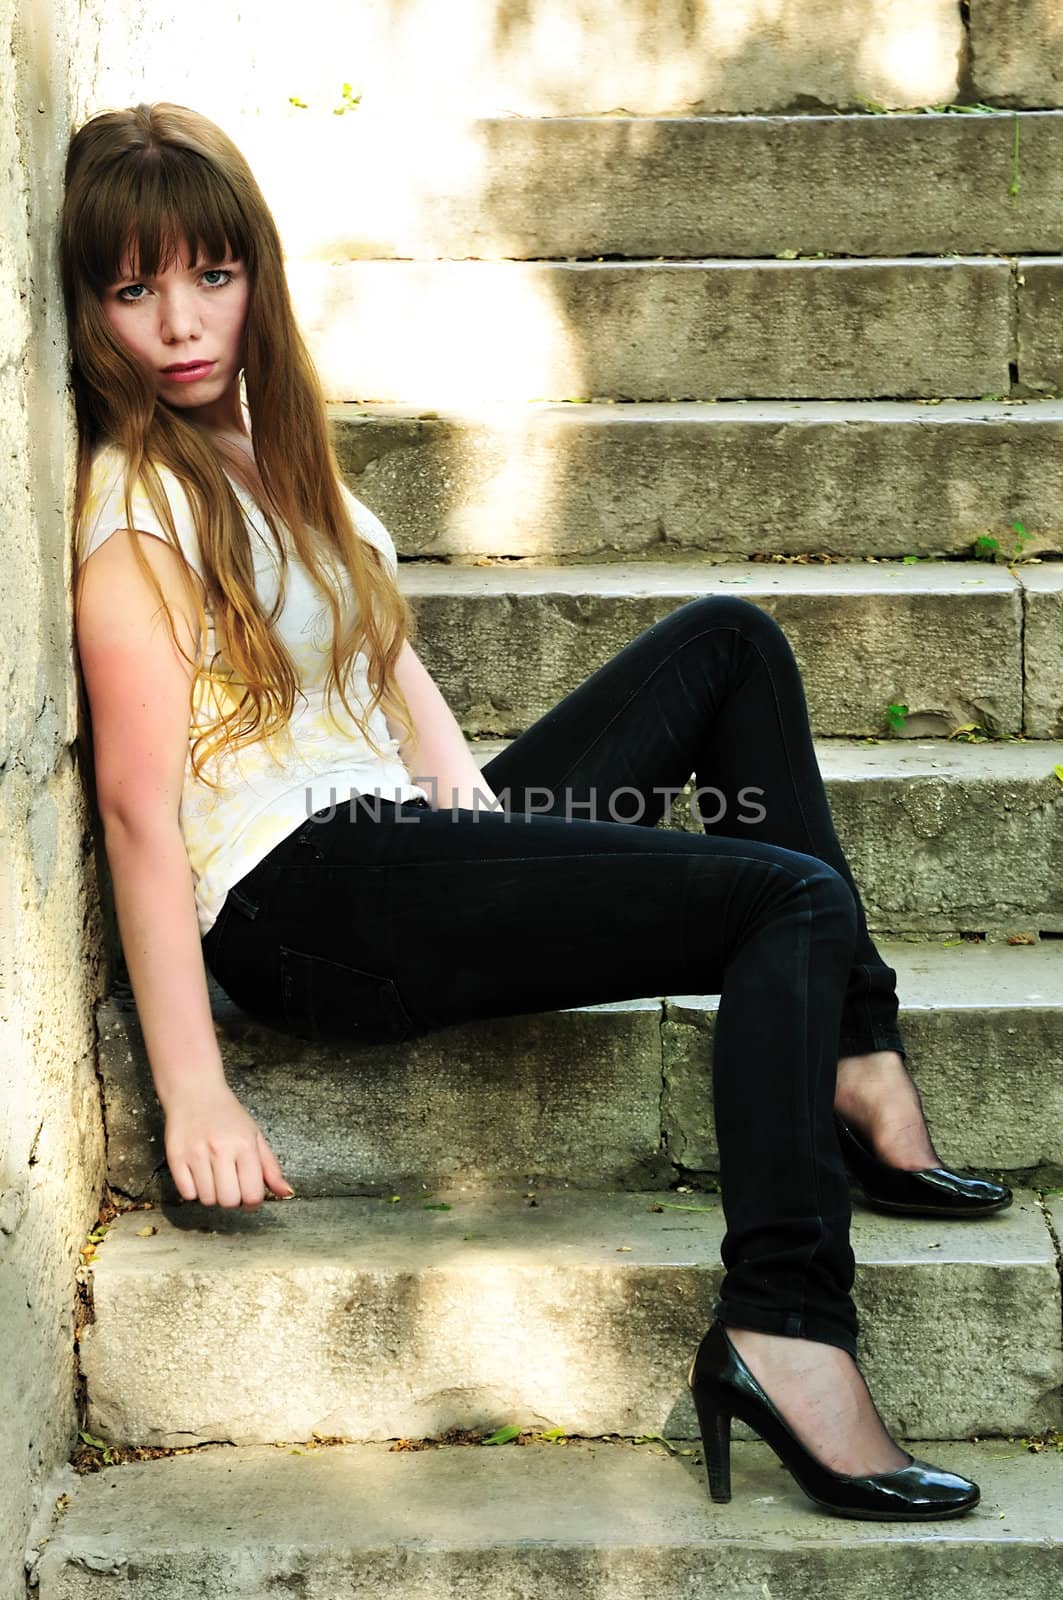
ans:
(373, 1319)
(943, 640)
(51, 1130)
(1017, 52)
(1043, 650)
(571, 1095)
(457, 332)
(1040, 349)
(1054, 1207)
(983, 1028)
(599, 483)
(976, 842)
(536, 188)
(373, 1523)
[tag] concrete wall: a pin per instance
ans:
(51, 1132)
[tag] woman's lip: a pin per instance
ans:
(195, 369)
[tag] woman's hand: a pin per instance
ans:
(216, 1152)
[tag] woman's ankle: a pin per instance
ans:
(820, 1392)
(876, 1095)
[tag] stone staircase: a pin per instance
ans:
(513, 1223)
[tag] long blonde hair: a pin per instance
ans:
(143, 180)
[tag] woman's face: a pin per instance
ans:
(185, 327)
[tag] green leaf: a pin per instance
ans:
(97, 1444)
(440, 1205)
(1058, 770)
(503, 1435)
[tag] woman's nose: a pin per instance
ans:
(179, 318)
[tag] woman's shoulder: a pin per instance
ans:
(370, 527)
(105, 509)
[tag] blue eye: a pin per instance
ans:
(217, 272)
(125, 294)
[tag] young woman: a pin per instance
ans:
(247, 658)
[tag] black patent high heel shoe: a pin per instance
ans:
(723, 1387)
(930, 1192)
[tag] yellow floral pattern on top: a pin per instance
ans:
(320, 759)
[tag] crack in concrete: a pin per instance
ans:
(1042, 1206)
(965, 67)
(1018, 281)
(662, 1132)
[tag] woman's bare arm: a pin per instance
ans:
(438, 756)
(137, 684)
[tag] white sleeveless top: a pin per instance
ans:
(269, 787)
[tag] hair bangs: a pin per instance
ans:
(148, 209)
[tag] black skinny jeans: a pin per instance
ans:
(377, 922)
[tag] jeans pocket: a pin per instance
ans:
(330, 1002)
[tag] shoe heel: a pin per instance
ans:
(716, 1444)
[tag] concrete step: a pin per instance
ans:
(542, 60)
(944, 639)
(983, 1029)
(556, 187)
(611, 1519)
(1043, 649)
(382, 1318)
(1038, 362)
(498, 1100)
(1015, 58)
(558, 483)
(462, 332)
(942, 836)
